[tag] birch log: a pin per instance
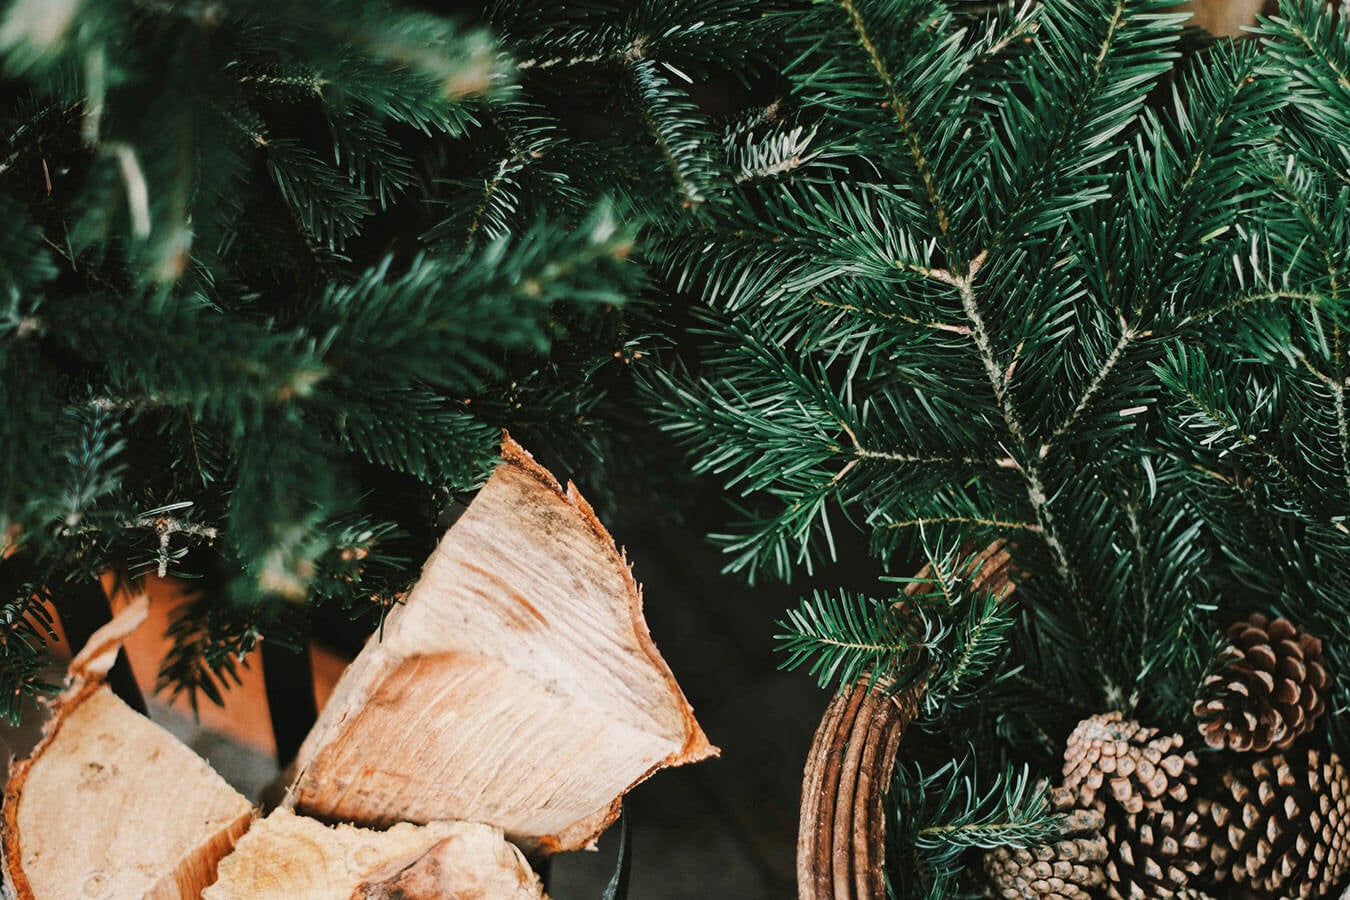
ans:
(289, 857)
(1225, 17)
(517, 685)
(110, 805)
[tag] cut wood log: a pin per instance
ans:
(290, 857)
(1225, 18)
(110, 805)
(517, 685)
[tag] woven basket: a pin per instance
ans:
(841, 837)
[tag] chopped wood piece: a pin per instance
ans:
(1225, 17)
(517, 685)
(110, 805)
(290, 857)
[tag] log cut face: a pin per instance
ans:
(289, 857)
(110, 805)
(517, 686)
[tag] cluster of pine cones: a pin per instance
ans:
(1276, 824)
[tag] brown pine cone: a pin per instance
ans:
(1140, 770)
(1282, 827)
(1269, 693)
(1068, 869)
(1154, 855)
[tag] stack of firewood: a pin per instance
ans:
(508, 706)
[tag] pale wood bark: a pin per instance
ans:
(517, 686)
(1225, 17)
(110, 805)
(290, 857)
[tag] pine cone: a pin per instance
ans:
(1154, 855)
(1270, 691)
(1142, 770)
(1283, 826)
(1065, 870)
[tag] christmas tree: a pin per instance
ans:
(276, 276)
(1060, 278)
(1066, 277)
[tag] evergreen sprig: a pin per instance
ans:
(845, 636)
(267, 270)
(947, 814)
(1075, 284)
(1257, 408)
(28, 630)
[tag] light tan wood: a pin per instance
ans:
(290, 857)
(110, 805)
(517, 686)
(1225, 17)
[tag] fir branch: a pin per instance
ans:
(899, 106)
(1127, 335)
(1061, 137)
(93, 463)
(419, 433)
(980, 643)
(1029, 466)
(847, 636)
(678, 130)
(26, 634)
(325, 202)
(374, 162)
(1337, 386)
(783, 151)
(883, 314)
(1239, 303)
(1189, 374)
(365, 570)
(937, 817)
(211, 640)
(1306, 43)
(1000, 524)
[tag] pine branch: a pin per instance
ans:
(899, 106)
(677, 129)
(26, 633)
(845, 637)
(938, 816)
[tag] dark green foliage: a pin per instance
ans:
(1061, 284)
(23, 652)
(974, 653)
(848, 637)
(275, 276)
(946, 814)
(1258, 409)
